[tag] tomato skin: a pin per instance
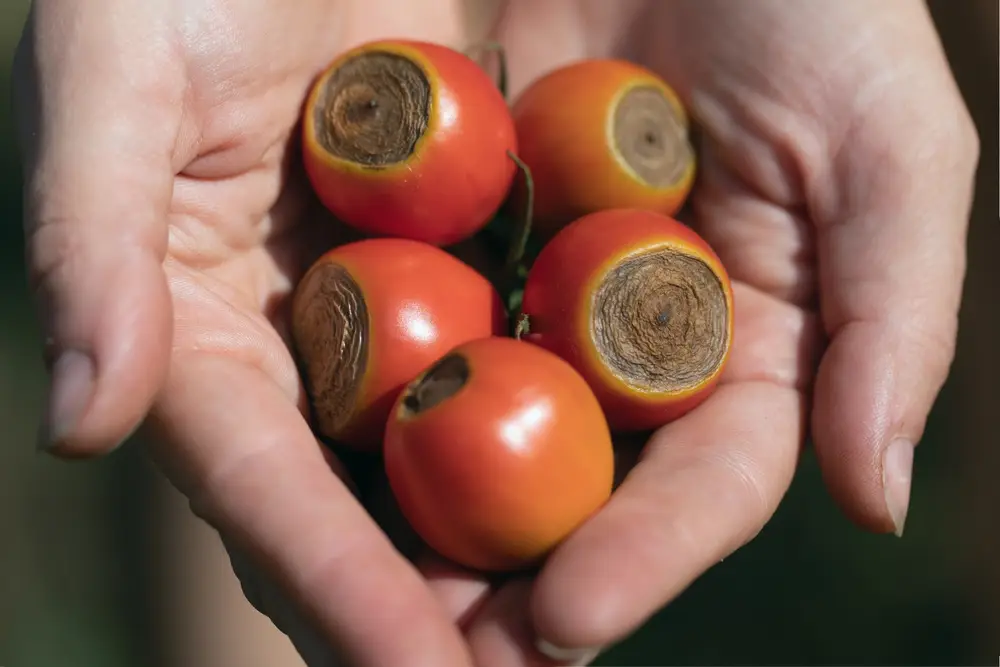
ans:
(558, 298)
(562, 122)
(501, 472)
(458, 175)
(420, 302)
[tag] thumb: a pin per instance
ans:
(98, 182)
(892, 264)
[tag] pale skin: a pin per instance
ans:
(163, 235)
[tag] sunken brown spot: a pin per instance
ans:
(330, 327)
(373, 109)
(651, 138)
(660, 321)
(441, 381)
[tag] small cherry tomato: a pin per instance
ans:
(368, 316)
(497, 453)
(601, 134)
(409, 139)
(641, 306)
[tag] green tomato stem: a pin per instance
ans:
(514, 271)
(522, 231)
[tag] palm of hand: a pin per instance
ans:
(243, 227)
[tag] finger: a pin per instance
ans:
(97, 143)
(773, 341)
(703, 485)
(238, 447)
(502, 635)
(760, 243)
(268, 598)
(892, 260)
(459, 590)
(706, 485)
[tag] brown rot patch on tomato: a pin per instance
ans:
(330, 327)
(650, 136)
(660, 321)
(441, 381)
(373, 109)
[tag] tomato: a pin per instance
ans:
(370, 315)
(641, 306)
(497, 453)
(601, 134)
(409, 139)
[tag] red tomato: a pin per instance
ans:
(497, 453)
(409, 139)
(641, 306)
(600, 134)
(368, 316)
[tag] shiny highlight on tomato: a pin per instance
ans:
(370, 315)
(498, 453)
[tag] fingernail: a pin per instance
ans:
(72, 389)
(571, 657)
(897, 473)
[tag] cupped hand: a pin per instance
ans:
(164, 233)
(167, 223)
(836, 169)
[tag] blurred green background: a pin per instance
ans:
(100, 565)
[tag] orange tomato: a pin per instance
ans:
(369, 316)
(409, 139)
(641, 306)
(497, 453)
(601, 134)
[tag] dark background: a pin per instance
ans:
(101, 565)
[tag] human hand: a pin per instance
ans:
(836, 170)
(193, 238)
(163, 231)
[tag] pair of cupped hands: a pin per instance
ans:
(167, 222)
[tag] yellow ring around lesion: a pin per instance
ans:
(647, 134)
(385, 171)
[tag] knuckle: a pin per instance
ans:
(264, 595)
(247, 576)
(935, 345)
(55, 248)
(748, 477)
(746, 497)
(953, 135)
(970, 141)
